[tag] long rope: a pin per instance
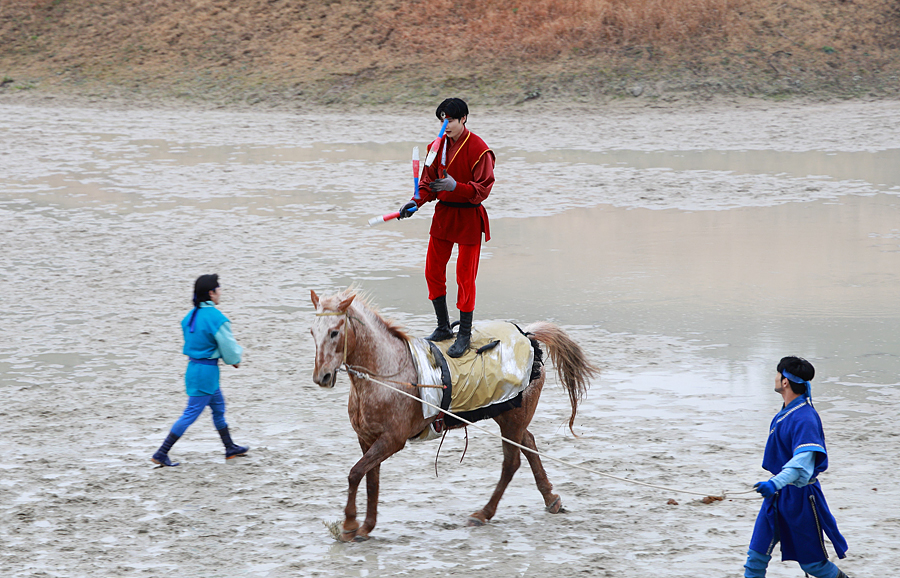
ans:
(721, 496)
(369, 377)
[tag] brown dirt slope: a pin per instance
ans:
(490, 51)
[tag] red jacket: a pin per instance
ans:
(471, 163)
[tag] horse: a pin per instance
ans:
(350, 334)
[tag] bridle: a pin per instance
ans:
(344, 363)
(363, 372)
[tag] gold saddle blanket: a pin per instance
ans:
(494, 369)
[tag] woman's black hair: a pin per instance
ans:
(202, 287)
(452, 108)
(799, 367)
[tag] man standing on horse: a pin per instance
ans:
(460, 179)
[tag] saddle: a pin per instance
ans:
(486, 381)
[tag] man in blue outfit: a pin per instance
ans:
(207, 338)
(794, 511)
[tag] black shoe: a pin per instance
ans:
(443, 331)
(163, 459)
(236, 451)
(463, 335)
(232, 450)
(161, 456)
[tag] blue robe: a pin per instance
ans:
(796, 516)
(210, 340)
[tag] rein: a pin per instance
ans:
(368, 375)
(721, 496)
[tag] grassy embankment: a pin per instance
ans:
(490, 51)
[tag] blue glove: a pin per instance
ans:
(407, 210)
(446, 184)
(767, 489)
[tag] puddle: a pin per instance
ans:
(879, 168)
(750, 283)
(817, 279)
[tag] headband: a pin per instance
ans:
(791, 377)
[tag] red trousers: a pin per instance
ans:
(466, 270)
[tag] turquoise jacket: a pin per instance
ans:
(210, 338)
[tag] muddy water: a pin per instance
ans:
(817, 277)
(686, 264)
(743, 284)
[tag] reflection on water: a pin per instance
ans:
(881, 169)
(815, 279)
(747, 284)
(145, 175)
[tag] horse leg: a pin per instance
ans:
(372, 479)
(510, 429)
(551, 500)
(379, 451)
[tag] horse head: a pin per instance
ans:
(329, 333)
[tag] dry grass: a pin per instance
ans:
(542, 29)
(405, 46)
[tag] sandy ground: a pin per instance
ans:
(107, 216)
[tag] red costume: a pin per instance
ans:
(458, 217)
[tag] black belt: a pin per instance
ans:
(460, 205)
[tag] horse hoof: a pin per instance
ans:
(476, 519)
(349, 534)
(555, 507)
(360, 538)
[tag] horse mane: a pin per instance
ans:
(364, 300)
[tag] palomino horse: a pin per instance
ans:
(349, 333)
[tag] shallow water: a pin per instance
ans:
(686, 272)
(816, 277)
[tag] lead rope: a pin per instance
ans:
(712, 497)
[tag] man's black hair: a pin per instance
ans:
(452, 108)
(202, 286)
(799, 367)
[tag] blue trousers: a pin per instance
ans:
(757, 563)
(195, 406)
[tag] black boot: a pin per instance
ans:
(463, 335)
(443, 331)
(232, 450)
(161, 456)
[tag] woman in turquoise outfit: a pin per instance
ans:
(207, 339)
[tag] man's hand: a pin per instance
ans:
(236, 365)
(445, 184)
(767, 489)
(407, 210)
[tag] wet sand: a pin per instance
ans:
(686, 249)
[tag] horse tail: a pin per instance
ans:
(572, 365)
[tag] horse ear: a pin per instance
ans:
(346, 303)
(315, 298)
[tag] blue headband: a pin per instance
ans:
(791, 377)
